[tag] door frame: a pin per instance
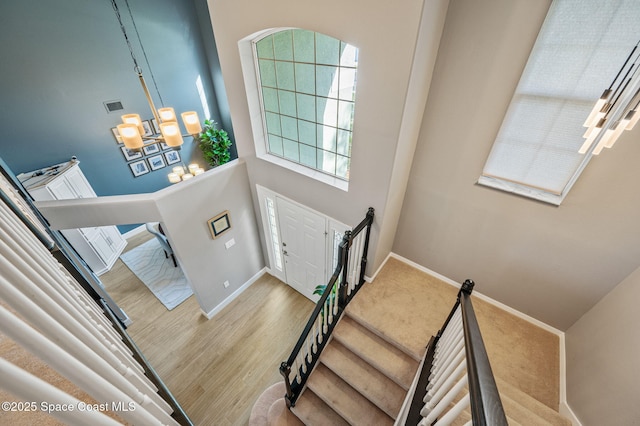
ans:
(273, 236)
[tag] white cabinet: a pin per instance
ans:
(99, 246)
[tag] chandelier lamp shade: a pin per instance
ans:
(616, 110)
(131, 129)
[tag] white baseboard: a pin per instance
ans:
(479, 295)
(135, 231)
(375, 274)
(564, 407)
(566, 411)
(235, 294)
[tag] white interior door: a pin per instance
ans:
(303, 235)
(334, 238)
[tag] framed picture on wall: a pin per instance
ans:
(116, 135)
(154, 126)
(172, 157)
(156, 162)
(148, 130)
(151, 149)
(130, 155)
(164, 146)
(219, 224)
(139, 168)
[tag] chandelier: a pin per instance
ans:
(617, 108)
(132, 131)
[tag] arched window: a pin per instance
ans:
(306, 88)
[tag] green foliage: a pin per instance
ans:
(320, 289)
(214, 144)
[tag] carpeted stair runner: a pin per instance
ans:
(366, 369)
(362, 379)
(527, 410)
(520, 409)
(380, 353)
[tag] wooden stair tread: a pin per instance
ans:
(345, 400)
(394, 363)
(312, 411)
(378, 388)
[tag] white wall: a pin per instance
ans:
(603, 349)
(100, 211)
(552, 263)
(184, 209)
(386, 37)
(206, 262)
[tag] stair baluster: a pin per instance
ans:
(455, 358)
(346, 280)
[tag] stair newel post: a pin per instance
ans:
(285, 370)
(342, 291)
(363, 262)
(467, 287)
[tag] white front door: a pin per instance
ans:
(303, 235)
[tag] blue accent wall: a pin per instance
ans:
(61, 60)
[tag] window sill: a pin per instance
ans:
(521, 190)
(313, 174)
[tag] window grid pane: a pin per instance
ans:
(308, 83)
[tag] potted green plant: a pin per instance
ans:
(214, 144)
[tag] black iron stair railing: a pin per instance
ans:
(347, 279)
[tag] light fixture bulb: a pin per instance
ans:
(604, 141)
(167, 114)
(130, 135)
(616, 131)
(597, 108)
(171, 133)
(191, 122)
(134, 119)
(592, 136)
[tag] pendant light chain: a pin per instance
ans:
(136, 66)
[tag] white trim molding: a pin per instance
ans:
(235, 294)
(479, 295)
(566, 411)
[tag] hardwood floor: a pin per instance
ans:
(215, 368)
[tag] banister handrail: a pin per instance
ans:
(338, 286)
(320, 304)
(484, 398)
(486, 406)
